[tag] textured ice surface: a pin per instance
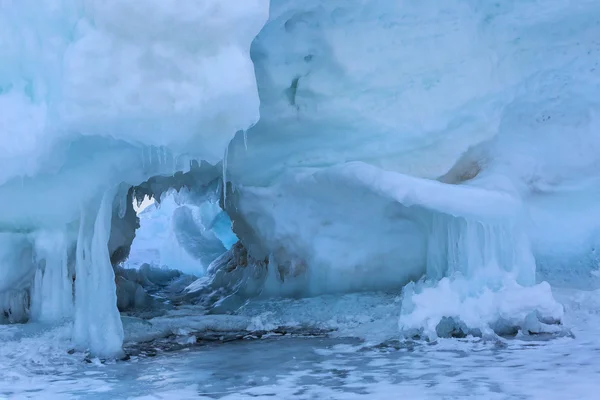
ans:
(408, 86)
(119, 70)
(444, 79)
(111, 91)
(37, 365)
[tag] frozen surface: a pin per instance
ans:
(524, 367)
(498, 96)
(94, 94)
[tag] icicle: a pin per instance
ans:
(98, 324)
(82, 281)
(13, 306)
(225, 178)
(52, 290)
(458, 245)
(122, 205)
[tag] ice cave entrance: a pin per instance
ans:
(174, 244)
(178, 235)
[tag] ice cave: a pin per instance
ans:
(299, 199)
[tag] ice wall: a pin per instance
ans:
(93, 94)
(501, 98)
(408, 85)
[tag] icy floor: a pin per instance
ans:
(37, 365)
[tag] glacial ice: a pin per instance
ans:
(435, 147)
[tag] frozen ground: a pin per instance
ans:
(37, 365)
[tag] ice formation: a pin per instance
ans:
(93, 95)
(364, 106)
(439, 144)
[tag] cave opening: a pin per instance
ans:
(165, 244)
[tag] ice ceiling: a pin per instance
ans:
(363, 145)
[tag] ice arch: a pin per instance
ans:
(96, 97)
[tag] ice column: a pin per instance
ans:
(98, 326)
